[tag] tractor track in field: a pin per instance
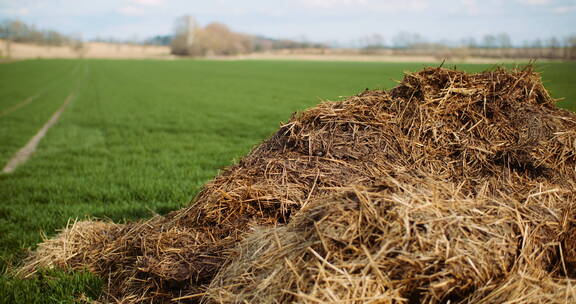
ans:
(24, 154)
(34, 97)
(19, 105)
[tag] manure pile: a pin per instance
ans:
(451, 187)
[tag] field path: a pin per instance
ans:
(19, 105)
(43, 89)
(23, 154)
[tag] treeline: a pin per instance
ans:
(190, 39)
(502, 40)
(217, 39)
(463, 52)
(496, 46)
(18, 31)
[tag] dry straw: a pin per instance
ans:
(451, 187)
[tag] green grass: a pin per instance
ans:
(141, 137)
(51, 286)
(49, 80)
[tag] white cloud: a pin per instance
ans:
(141, 29)
(534, 2)
(21, 11)
(333, 3)
(564, 9)
(386, 6)
(148, 2)
(138, 7)
(131, 10)
(470, 6)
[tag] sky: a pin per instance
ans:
(327, 21)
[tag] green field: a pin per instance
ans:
(142, 137)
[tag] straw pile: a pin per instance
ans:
(450, 187)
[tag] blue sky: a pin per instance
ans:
(316, 20)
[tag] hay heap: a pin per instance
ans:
(450, 187)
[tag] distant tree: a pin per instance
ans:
(18, 31)
(489, 41)
(189, 39)
(159, 40)
(503, 41)
(469, 42)
(217, 39)
(374, 41)
(570, 48)
(185, 33)
(554, 45)
(407, 40)
(552, 42)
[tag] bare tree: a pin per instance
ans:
(469, 42)
(503, 41)
(554, 45)
(185, 34)
(489, 41)
(407, 40)
(570, 43)
(18, 31)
